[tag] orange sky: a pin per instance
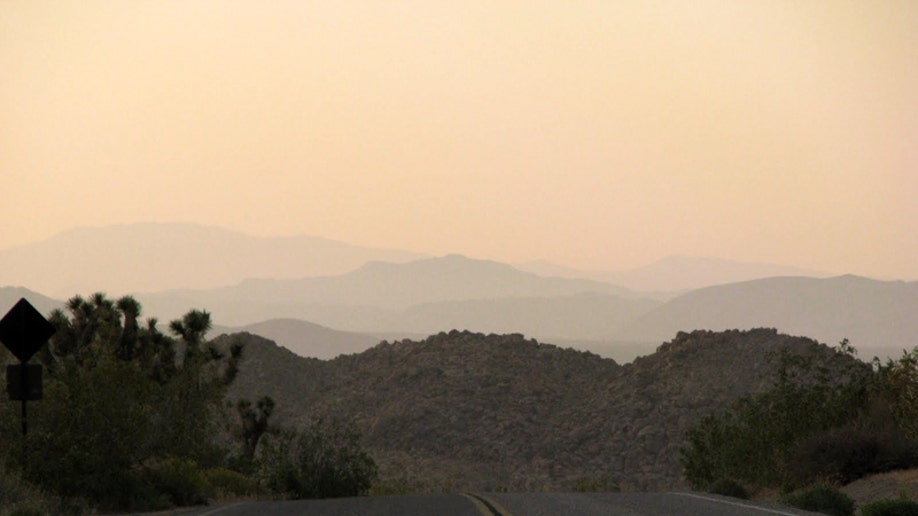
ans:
(598, 135)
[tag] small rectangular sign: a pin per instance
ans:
(23, 382)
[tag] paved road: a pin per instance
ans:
(631, 504)
(447, 505)
(521, 504)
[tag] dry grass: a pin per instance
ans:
(891, 485)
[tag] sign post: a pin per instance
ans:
(23, 330)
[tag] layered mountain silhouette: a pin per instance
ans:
(676, 274)
(414, 297)
(150, 257)
(305, 338)
(297, 288)
(877, 317)
(153, 257)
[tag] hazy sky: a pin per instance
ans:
(601, 134)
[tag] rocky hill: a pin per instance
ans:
(463, 410)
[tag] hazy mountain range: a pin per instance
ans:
(277, 288)
(153, 257)
(876, 316)
(387, 296)
(873, 315)
(9, 296)
(150, 257)
(306, 339)
(676, 273)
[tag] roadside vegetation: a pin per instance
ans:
(825, 422)
(900, 507)
(133, 418)
(823, 498)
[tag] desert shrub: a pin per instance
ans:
(324, 460)
(595, 484)
(730, 488)
(13, 490)
(899, 380)
(890, 508)
(28, 510)
(755, 439)
(823, 498)
(846, 454)
(227, 482)
(181, 481)
(397, 486)
(20, 497)
(402, 482)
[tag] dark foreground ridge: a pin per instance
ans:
(467, 411)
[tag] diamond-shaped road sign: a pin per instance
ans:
(23, 330)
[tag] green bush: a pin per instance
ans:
(13, 490)
(182, 482)
(596, 484)
(19, 497)
(825, 499)
(871, 443)
(846, 454)
(755, 440)
(227, 482)
(890, 508)
(322, 461)
(398, 486)
(27, 510)
(730, 488)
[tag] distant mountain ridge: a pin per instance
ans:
(9, 296)
(429, 280)
(307, 339)
(152, 257)
(871, 314)
(876, 316)
(378, 292)
(379, 296)
(676, 274)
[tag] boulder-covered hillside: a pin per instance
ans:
(463, 410)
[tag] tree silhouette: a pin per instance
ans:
(254, 423)
(119, 402)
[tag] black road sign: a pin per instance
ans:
(23, 330)
(23, 382)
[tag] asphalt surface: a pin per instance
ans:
(632, 504)
(510, 504)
